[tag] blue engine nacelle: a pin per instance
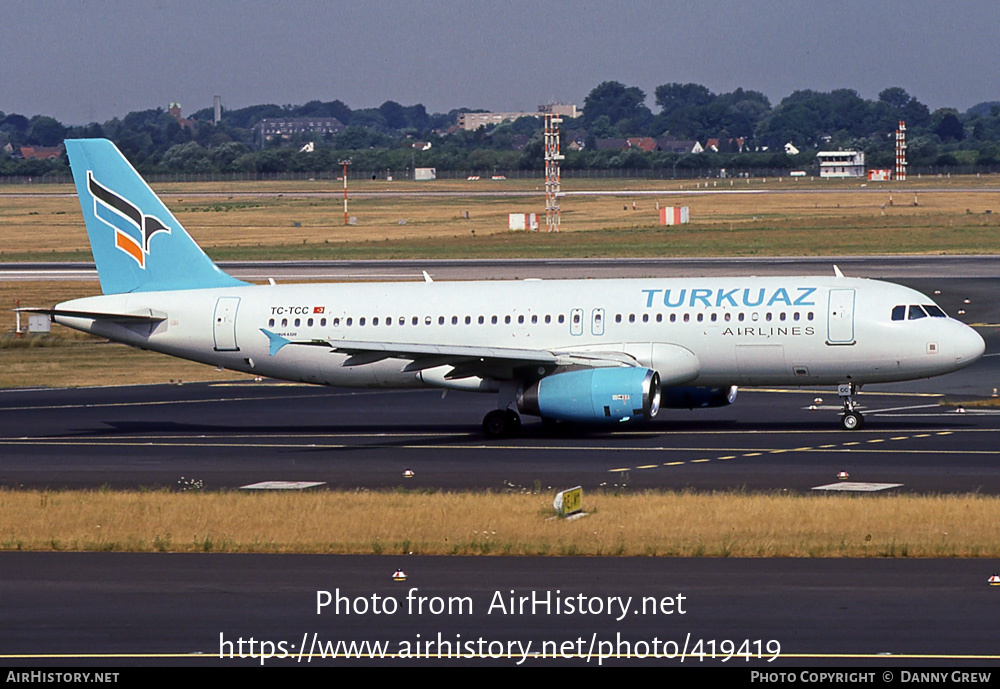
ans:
(595, 395)
(697, 398)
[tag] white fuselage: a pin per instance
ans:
(740, 331)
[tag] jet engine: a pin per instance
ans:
(594, 395)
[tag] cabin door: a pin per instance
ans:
(225, 324)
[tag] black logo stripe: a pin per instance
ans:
(113, 200)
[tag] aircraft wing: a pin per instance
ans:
(468, 361)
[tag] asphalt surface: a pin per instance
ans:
(112, 610)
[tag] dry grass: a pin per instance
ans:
(648, 524)
(280, 222)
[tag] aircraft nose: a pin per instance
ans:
(969, 346)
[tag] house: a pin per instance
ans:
(644, 143)
(41, 152)
(671, 145)
(270, 127)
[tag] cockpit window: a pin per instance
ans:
(916, 312)
(935, 311)
(898, 313)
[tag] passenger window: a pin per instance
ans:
(520, 319)
(562, 318)
(916, 312)
(270, 323)
(375, 320)
(415, 321)
(898, 313)
(297, 322)
(440, 320)
(309, 322)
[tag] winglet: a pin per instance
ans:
(276, 342)
(836, 271)
(427, 277)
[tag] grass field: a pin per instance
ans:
(277, 220)
(364, 522)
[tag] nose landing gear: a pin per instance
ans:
(852, 419)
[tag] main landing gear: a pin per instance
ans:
(502, 423)
(852, 419)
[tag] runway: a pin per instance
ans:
(119, 610)
(897, 268)
(229, 435)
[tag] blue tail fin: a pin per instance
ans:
(138, 244)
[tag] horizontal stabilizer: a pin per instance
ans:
(148, 317)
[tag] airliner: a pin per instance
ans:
(581, 351)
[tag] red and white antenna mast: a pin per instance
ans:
(901, 152)
(553, 215)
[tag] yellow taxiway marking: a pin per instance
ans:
(900, 437)
(757, 454)
(877, 440)
(648, 466)
(728, 457)
(698, 461)
(673, 464)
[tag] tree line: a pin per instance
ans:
(750, 134)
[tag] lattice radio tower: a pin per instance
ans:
(553, 216)
(901, 152)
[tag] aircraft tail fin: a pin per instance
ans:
(138, 245)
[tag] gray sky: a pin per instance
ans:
(90, 60)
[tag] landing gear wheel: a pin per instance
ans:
(500, 423)
(852, 421)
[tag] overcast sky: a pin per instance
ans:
(90, 60)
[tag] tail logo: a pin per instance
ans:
(133, 228)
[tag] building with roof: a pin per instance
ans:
(841, 164)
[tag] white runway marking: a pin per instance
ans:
(283, 485)
(858, 487)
